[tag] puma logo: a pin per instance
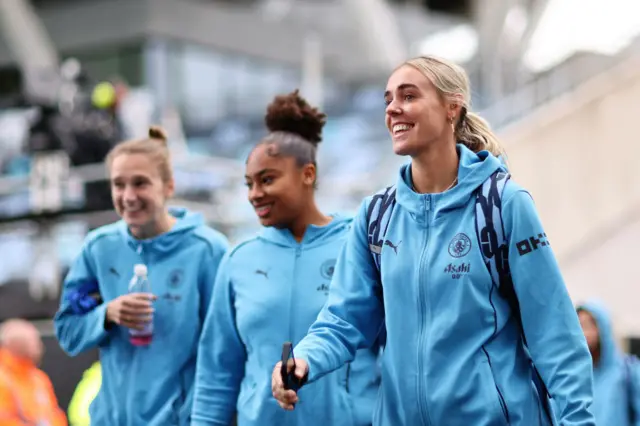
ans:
(114, 272)
(393, 246)
(261, 272)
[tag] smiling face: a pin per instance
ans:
(417, 115)
(279, 190)
(138, 192)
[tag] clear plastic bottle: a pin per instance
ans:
(140, 284)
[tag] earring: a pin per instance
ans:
(451, 119)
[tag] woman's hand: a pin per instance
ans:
(131, 310)
(287, 398)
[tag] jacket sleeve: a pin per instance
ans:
(80, 321)
(550, 323)
(363, 383)
(353, 316)
(216, 248)
(221, 357)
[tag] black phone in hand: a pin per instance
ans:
(289, 379)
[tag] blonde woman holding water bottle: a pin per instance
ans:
(142, 335)
(145, 322)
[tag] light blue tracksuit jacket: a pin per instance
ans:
(269, 290)
(453, 354)
(153, 385)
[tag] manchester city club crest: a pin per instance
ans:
(175, 278)
(460, 245)
(327, 268)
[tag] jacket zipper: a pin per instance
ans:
(142, 253)
(424, 415)
(292, 291)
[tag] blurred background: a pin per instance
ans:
(559, 80)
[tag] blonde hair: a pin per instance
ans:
(452, 83)
(154, 146)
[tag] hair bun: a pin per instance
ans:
(292, 113)
(159, 134)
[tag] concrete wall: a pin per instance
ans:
(579, 157)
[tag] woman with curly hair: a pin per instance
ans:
(271, 288)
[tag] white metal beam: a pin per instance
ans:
(379, 31)
(536, 10)
(490, 16)
(31, 46)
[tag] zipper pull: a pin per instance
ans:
(427, 203)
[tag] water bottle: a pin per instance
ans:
(140, 284)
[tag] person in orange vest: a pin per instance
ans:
(26, 393)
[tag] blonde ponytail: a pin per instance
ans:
(157, 133)
(475, 133)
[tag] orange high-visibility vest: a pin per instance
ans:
(26, 394)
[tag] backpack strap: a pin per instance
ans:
(491, 235)
(378, 218)
(495, 251)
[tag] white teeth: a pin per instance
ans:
(262, 209)
(401, 127)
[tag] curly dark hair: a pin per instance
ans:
(291, 113)
(295, 128)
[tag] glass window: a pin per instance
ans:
(209, 86)
(123, 62)
(199, 86)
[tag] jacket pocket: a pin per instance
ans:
(178, 405)
(347, 377)
(248, 390)
(181, 409)
(492, 390)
